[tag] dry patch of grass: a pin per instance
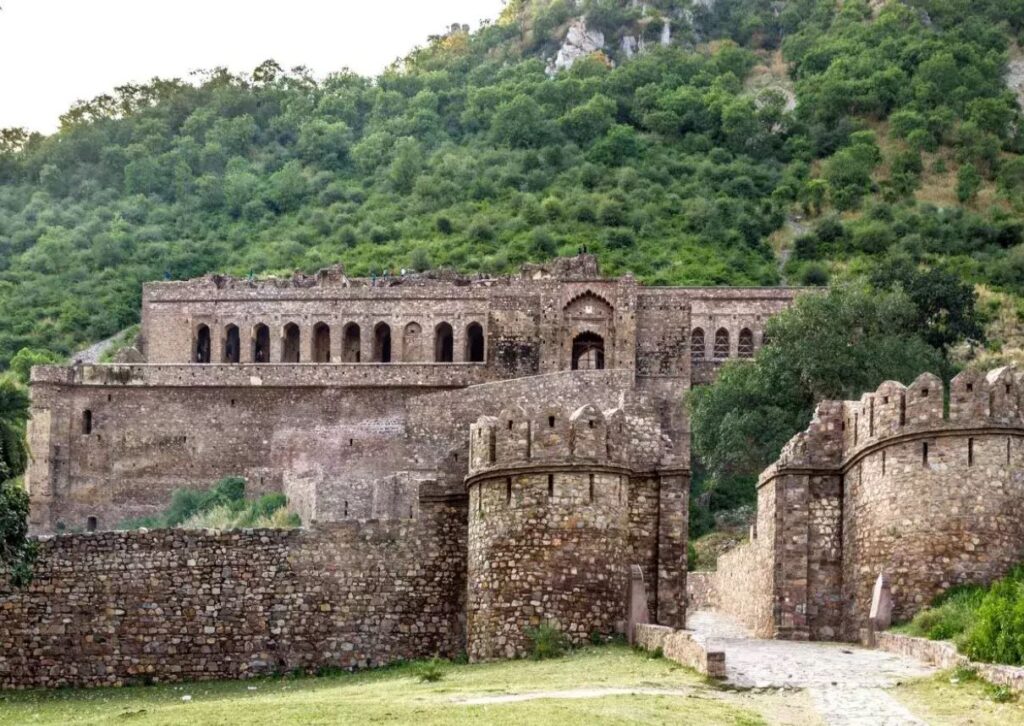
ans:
(944, 701)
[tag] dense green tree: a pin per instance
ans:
(828, 346)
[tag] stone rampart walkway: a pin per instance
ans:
(848, 684)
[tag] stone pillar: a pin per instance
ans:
(673, 527)
(246, 341)
(306, 341)
(276, 341)
(366, 340)
(791, 557)
(458, 341)
(216, 342)
(337, 339)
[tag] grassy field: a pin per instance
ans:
(577, 689)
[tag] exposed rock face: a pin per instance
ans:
(579, 42)
(1015, 79)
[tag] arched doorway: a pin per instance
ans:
(290, 344)
(202, 353)
(382, 343)
(444, 343)
(261, 344)
(350, 344)
(232, 345)
(475, 343)
(588, 352)
(321, 343)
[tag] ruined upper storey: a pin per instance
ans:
(560, 316)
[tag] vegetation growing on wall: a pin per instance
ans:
(222, 507)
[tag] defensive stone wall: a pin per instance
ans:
(556, 517)
(899, 483)
(114, 608)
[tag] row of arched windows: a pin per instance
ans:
(351, 344)
(720, 351)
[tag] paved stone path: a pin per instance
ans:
(847, 683)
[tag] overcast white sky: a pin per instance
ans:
(54, 52)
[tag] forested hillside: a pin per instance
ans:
(745, 142)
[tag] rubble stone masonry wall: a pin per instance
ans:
(113, 608)
(896, 483)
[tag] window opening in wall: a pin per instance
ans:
(721, 344)
(232, 345)
(924, 393)
(382, 343)
(444, 343)
(746, 344)
(346, 507)
(456, 455)
(924, 453)
(551, 485)
(883, 463)
(697, 345)
(871, 419)
(351, 442)
(109, 398)
(856, 427)
(475, 343)
(350, 344)
(479, 497)
(590, 495)
(970, 452)
(508, 490)
(86, 421)
(590, 424)
(232, 402)
(588, 352)
(551, 422)
(903, 410)
(202, 352)
(290, 344)
(321, 343)
(509, 425)
(90, 524)
(261, 344)
(1007, 389)
(970, 387)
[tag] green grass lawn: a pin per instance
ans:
(397, 695)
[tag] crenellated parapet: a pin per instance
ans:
(551, 436)
(841, 431)
(923, 483)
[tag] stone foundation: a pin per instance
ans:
(679, 646)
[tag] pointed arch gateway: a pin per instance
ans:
(588, 352)
(321, 343)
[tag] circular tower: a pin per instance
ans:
(548, 535)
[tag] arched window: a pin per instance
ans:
(232, 344)
(475, 343)
(588, 352)
(745, 347)
(321, 343)
(722, 343)
(90, 524)
(412, 340)
(87, 422)
(382, 343)
(697, 344)
(261, 344)
(350, 344)
(444, 343)
(290, 343)
(202, 352)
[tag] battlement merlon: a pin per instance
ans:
(842, 431)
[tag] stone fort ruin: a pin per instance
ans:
(471, 457)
